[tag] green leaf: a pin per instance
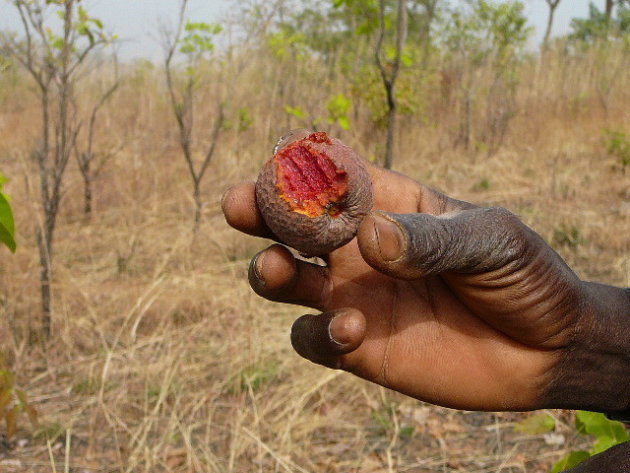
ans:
(84, 30)
(607, 432)
(390, 52)
(56, 42)
(7, 226)
(210, 28)
(83, 16)
(604, 443)
(187, 49)
(569, 461)
(344, 123)
(536, 424)
(338, 105)
(297, 112)
(244, 119)
(597, 424)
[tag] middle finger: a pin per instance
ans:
(277, 275)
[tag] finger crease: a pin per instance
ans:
(382, 375)
(327, 289)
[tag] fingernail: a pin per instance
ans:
(255, 266)
(336, 326)
(389, 238)
(346, 330)
(224, 198)
(290, 137)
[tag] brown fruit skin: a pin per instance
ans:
(316, 236)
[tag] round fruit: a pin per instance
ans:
(313, 194)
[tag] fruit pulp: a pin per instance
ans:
(309, 180)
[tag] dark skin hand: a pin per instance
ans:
(449, 303)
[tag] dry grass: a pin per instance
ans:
(162, 358)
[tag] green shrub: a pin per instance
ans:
(618, 146)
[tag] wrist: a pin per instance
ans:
(593, 371)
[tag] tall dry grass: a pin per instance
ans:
(162, 359)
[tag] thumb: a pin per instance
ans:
(410, 246)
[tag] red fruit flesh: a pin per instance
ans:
(309, 180)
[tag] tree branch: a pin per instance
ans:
(218, 124)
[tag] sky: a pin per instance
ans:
(136, 22)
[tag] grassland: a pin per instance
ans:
(162, 359)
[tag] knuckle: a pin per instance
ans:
(511, 238)
(430, 241)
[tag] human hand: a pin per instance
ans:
(444, 301)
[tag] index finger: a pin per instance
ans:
(241, 212)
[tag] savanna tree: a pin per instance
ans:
(55, 56)
(389, 71)
(90, 159)
(602, 25)
(381, 47)
(608, 41)
(610, 6)
(387, 36)
(483, 44)
(194, 43)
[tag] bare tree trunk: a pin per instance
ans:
(430, 8)
(465, 124)
(389, 79)
(609, 9)
(392, 115)
(45, 280)
(45, 233)
(52, 195)
(553, 4)
(198, 205)
(85, 168)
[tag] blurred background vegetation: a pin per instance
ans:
(130, 339)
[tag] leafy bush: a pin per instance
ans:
(338, 108)
(599, 27)
(618, 145)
